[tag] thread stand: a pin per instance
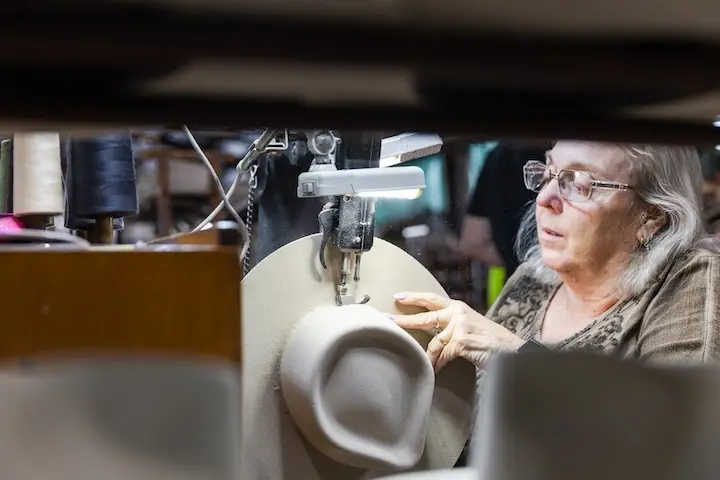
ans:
(101, 231)
(36, 222)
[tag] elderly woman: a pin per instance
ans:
(613, 262)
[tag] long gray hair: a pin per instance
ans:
(668, 178)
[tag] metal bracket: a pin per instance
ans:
(279, 142)
(342, 297)
(328, 219)
(342, 300)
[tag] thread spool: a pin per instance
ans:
(100, 185)
(72, 222)
(10, 224)
(37, 175)
(6, 159)
(80, 224)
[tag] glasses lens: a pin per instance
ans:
(536, 176)
(575, 186)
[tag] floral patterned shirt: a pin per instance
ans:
(676, 320)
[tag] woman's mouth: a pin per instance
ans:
(550, 234)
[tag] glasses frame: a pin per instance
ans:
(600, 184)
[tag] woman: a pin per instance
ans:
(612, 263)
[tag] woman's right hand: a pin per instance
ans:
(459, 331)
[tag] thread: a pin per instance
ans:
(5, 164)
(72, 222)
(10, 224)
(78, 223)
(37, 174)
(101, 177)
(11, 167)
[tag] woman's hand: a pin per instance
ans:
(459, 330)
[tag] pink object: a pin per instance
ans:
(10, 224)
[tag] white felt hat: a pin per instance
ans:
(454, 474)
(358, 387)
(279, 295)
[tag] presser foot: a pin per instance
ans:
(346, 299)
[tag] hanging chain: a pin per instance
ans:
(249, 217)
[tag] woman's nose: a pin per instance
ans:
(549, 196)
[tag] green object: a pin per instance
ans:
(6, 158)
(495, 284)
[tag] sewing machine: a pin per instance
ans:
(348, 217)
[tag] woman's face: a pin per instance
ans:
(591, 236)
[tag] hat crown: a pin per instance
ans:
(358, 387)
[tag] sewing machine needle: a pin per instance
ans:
(356, 276)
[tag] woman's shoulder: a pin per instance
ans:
(700, 260)
(681, 313)
(691, 279)
(707, 247)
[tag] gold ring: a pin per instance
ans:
(444, 343)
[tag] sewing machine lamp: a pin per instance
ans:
(396, 182)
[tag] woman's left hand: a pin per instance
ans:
(459, 330)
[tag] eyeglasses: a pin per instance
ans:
(574, 185)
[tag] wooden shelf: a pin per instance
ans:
(114, 301)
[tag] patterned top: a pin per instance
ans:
(675, 320)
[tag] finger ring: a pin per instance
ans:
(441, 340)
(437, 321)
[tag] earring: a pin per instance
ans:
(646, 243)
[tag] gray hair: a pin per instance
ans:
(668, 178)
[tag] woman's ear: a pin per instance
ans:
(651, 221)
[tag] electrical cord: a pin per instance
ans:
(224, 195)
(252, 155)
(221, 205)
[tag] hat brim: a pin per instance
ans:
(465, 473)
(275, 295)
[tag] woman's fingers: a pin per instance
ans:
(438, 346)
(449, 353)
(431, 301)
(434, 350)
(426, 321)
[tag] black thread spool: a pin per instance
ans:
(77, 224)
(72, 222)
(100, 185)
